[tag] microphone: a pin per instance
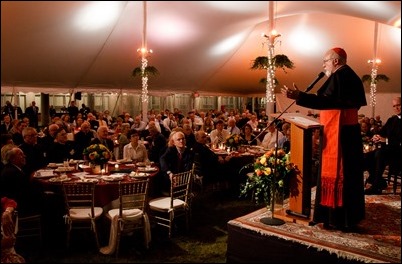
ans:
(319, 77)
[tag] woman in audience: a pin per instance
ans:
(248, 136)
(135, 150)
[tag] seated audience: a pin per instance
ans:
(103, 138)
(16, 185)
(61, 149)
(248, 136)
(34, 154)
(232, 128)
(389, 137)
(83, 139)
(270, 139)
(209, 165)
(135, 150)
(177, 158)
(156, 142)
(219, 135)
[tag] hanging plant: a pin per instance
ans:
(379, 77)
(279, 61)
(149, 70)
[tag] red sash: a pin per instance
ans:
(332, 165)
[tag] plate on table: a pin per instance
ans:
(91, 176)
(62, 178)
(52, 165)
(147, 169)
(64, 169)
(138, 174)
(112, 178)
(122, 161)
(44, 173)
(140, 164)
(88, 180)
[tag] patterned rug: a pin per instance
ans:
(378, 240)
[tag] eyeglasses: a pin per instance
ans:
(397, 105)
(324, 61)
(33, 135)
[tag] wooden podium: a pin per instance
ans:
(301, 134)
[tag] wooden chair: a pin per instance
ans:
(131, 213)
(163, 211)
(81, 212)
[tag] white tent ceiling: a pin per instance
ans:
(198, 46)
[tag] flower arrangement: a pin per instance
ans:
(97, 154)
(234, 141)
(271, 170)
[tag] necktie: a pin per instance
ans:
(180, 163)
(220, 137)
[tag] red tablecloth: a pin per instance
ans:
(105, 191)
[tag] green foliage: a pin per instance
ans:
(149, 70)
(379, 77)
(279, 61)
(271, 170)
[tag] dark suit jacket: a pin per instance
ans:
(60, 152)
(32, 115)
(157, 146)
(34, 156)
(169, 161)
(15, 184)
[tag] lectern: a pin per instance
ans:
(301, 148)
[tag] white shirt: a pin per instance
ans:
(269, 140)
(138, 154)
(214, 135)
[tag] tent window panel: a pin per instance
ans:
(183, 102)
(207, 103)
(228, 102)
(101, 102)
(58, 101)
(155, 103)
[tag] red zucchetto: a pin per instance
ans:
(341, 52)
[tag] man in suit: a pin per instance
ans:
(32, 112)
(177, 158)
(103, 138)
(6, 126)
(389, 137)
(208, 164)
(16, 185)
(34, 154)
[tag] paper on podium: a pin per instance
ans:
(299, 119)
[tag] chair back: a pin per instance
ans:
(133, 195)
(79, 195)
(180, 186)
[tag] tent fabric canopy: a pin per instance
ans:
(201, 46)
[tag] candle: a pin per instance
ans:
(116, 166)
(102, 171)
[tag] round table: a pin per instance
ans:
(105, 190)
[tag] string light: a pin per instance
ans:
(270, 85)
(373, 84)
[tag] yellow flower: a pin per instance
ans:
(271, 172)
(97, 153)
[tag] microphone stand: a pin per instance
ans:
(273, 220)
(275, 119)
